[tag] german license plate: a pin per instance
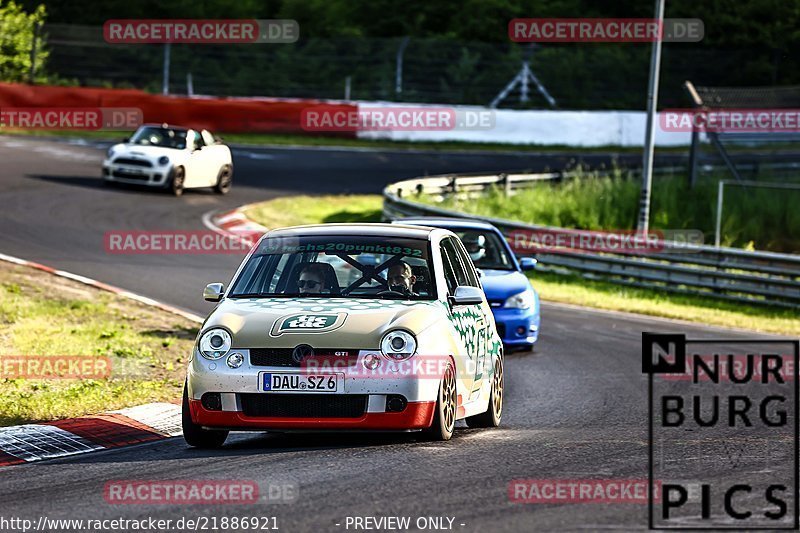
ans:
(294, 382)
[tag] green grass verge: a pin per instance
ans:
(753, 218)
(604, 295)
(296, 210)
(43, 315)
(300, 210)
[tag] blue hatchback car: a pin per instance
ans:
(514, 301)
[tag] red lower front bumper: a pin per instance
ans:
(417, 415)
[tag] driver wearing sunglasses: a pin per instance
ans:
(311, 280)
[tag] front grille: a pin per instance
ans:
(132, 162)
(272, 357)
(283, 357)
(129, 175)
(304, 405)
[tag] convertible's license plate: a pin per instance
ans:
(294, 382)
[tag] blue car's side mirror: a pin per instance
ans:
(527, 263)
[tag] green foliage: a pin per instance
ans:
(17, 39)
(767, 219)
(459, 51)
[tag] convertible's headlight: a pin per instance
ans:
(215, 343)
(398, 345)
(110, 153)
(521, 300)
(163, 160)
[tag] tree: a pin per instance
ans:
(18, 33)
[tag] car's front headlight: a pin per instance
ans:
(110, 153)
(163, 160)
(521, 300)
(215, 343)
(398, 345)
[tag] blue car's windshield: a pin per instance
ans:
(388, 268)
(486, 249)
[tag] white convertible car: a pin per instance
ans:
(159, 155)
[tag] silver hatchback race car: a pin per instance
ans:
(346, 326)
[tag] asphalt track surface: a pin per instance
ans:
(575, 408)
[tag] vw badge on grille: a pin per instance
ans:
(301, 351)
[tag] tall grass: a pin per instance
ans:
(765, 219)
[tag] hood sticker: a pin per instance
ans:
(308, 323)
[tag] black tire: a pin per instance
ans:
(177, 180)
(444, 418)
(195, 435)
(494, 411)
(224, 180)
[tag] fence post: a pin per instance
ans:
(165, 73)
(453, 186)
(398, 75)
(37, 26)
(693, 158)
(720, 191)
(506, 183)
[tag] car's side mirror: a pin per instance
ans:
(465, 295)
(213, 292)
(125, 140)
(480, 272)
(527, 263)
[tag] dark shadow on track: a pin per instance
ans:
(244, 445)
(123, 188)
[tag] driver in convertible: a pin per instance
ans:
(401, 279)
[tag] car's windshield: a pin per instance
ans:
(486, 249)
(157, 136)
(332, 266)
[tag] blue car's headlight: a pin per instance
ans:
(163, 160)
(521, 300)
